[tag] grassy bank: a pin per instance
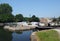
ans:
(48, 35)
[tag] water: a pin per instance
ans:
(5, 35)
(15, 36)
(24, 36)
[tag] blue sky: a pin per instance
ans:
(40, 8)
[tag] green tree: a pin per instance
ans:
(54, 19)
(6, 18)
(5, 8)
(19, 17)
(26, 19)
(6, 13)
(34, 19)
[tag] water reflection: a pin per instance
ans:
(5, 35)
(24, 36)
(20, 32)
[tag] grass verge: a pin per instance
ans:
(48, 35)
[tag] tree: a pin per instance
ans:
(59, 18)
(6, 18)
(34, 19)
(6, 13)
(26, 19)
(19, 17)
(54, 20)
(5, 8)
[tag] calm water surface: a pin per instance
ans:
(15, 36)
(24, 36)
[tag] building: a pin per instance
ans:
(45, 21)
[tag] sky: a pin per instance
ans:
(39, 8)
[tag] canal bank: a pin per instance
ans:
(19, 28)
(34, 37)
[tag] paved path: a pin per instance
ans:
(58, 30)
